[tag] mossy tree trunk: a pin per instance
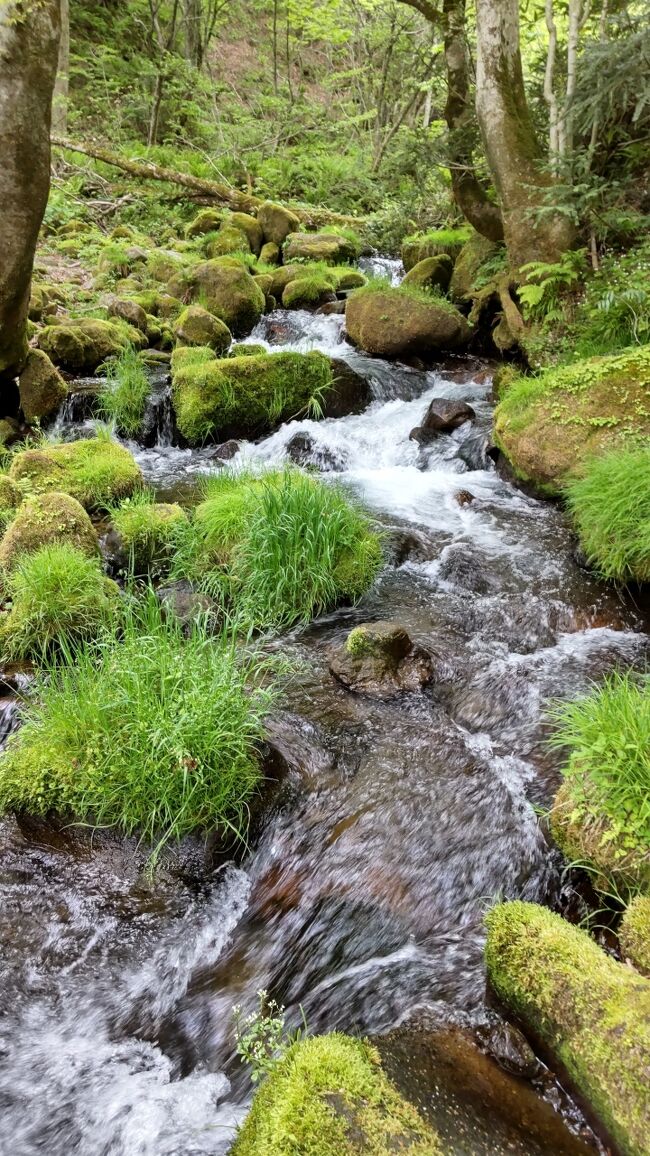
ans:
(60, 101)
(511, 146)
(29, 47)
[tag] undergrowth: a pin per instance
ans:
(610, 505)
(125, 396)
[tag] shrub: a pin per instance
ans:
(611, 508)
(148, 732)
(127, 389)
(59, 595)
(281, 548)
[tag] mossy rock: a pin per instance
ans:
(42, 389)
(42, 302)
(421, 245)
(159, 304)
(634, 934)
(243, 396)
(308, 292)
(80, 345)
(143, 535)
(240, 349)
(592, 1013)
(587, 835)
(328, 247)
(95, 471)
(328, 1096)
(393, 323)
(9, 431)
(163, 264)
(431, 273)
(230, 293)
(282, 276)
(228, 240)
(270, 253)
(10, 499)
(196, 326)
(252, 229)
(276, 222)
(550, 425)
(42, 520)
(347, 279)
(474, 253)
(129, 311)
(207, 221)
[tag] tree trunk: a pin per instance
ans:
(60, 101)
(511, 147)
(469, 194)
(29, 46)
(192, 22)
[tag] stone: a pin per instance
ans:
(328, 247)
(179, 600)
(304, 450)
(448, 241)
(444, 415)
(276, 222)
(251, 227)
(228, 240)
(379, 659)
(42, 389)
(196, 326)
(207, 221)
(43, 520)
(226, 451)
(270, 253)
(95, 471)
(464, 497)
(391, 323)
(230, 293)
(473, 254)
(129, 311)
(350, 392)
(634, 934)
(81, 344)
(431, 273)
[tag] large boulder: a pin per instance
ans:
(431, 273)
(276, 222)
(443, 415)
(394, 323)
(42, 389)
(590, 1012)
(43, 520)
(474, 253)
(380, 659)
(95, 471)
(244, 396)
(228, 240)
(81, 344)
(422, 245)
(207, 221)
(128, 310)
(308, 292)
(196, 326)
(251, 227)
(328, 1096)
(230, 293)
(328, 247)
(549, 426)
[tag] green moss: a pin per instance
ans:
(432, 273)
(404, 320)
(270, 253)
(95, 471)
(550, 425)
(185, 356)
(10, 499)
(230, 293)
(465, 277)
(634, 934)
(308, 291)
(357, 643)
(417, 246)
(147, 531)
(251, 228)
(610, 505)
(82, 344)
(240, 349)
(349, 279)
(158, 304)
(591, 1012)
(329, 1097)
(246, 395)
(277, 222)
(330, 247)
(207, 221)
(227, 240)
(42, 520)
(196, 326)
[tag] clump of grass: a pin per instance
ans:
(148, 531)
(127, 388)
(610, 505)
(150, 732)
(607, 736)
(58, 596)
(279, 548)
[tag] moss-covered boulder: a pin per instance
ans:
(207, 221)
(422, 245)
(347, 279)
(163, 264)
(228, 240)
(270, 253)
(308, 292)
(281, 277)
(473, 254)
(81, 344)
(44, 519)
(328, 1096)
(549, 426)
(242, 396)
(431, 273)
(128, 310)
(143, 535)
(251, 227)
(42, 389)
(397, 323)
(592, 1013)
(634, 934)
(276, 222)
(95, 471)
(196, 326)
(588, 835)
(329, 247)
(159, 304)
(230, 293)
(9, 431)
(10, 499)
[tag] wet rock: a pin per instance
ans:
(462, 566)
(304, 450)
(392, 323)
(331, 307)
(410, 545)
(83, 343)
(464, 497)
(473, 451)
(380, 659)
(444, 415)
(510, 1048)
(351, 393)
(226, 451)
(182, 601)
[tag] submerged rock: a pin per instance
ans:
(379, 659)
(226, 451)
(350, 392)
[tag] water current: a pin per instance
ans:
(361, 903)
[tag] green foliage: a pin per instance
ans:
(606, 735)
(148, 531)
(547, 285)
(124, 399)
(615, 311)
(58, 596)
(149, 732)
(279, 548)
(610, 504)
(262, 1038)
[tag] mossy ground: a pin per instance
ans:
(329, 1097)
(591, 1012)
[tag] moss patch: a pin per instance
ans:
(95, 471)
(634, 934)
(329, 1097)
(196, 326)
(593, 1013)
(420, 245)
(147, 532)
(44, 519)
(549, 426)
(83, 344)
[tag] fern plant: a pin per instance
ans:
(548, 284)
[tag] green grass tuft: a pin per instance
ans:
(127, 389)
(610, 505)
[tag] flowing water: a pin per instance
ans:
(361, 904)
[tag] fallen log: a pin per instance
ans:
(237, 201)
